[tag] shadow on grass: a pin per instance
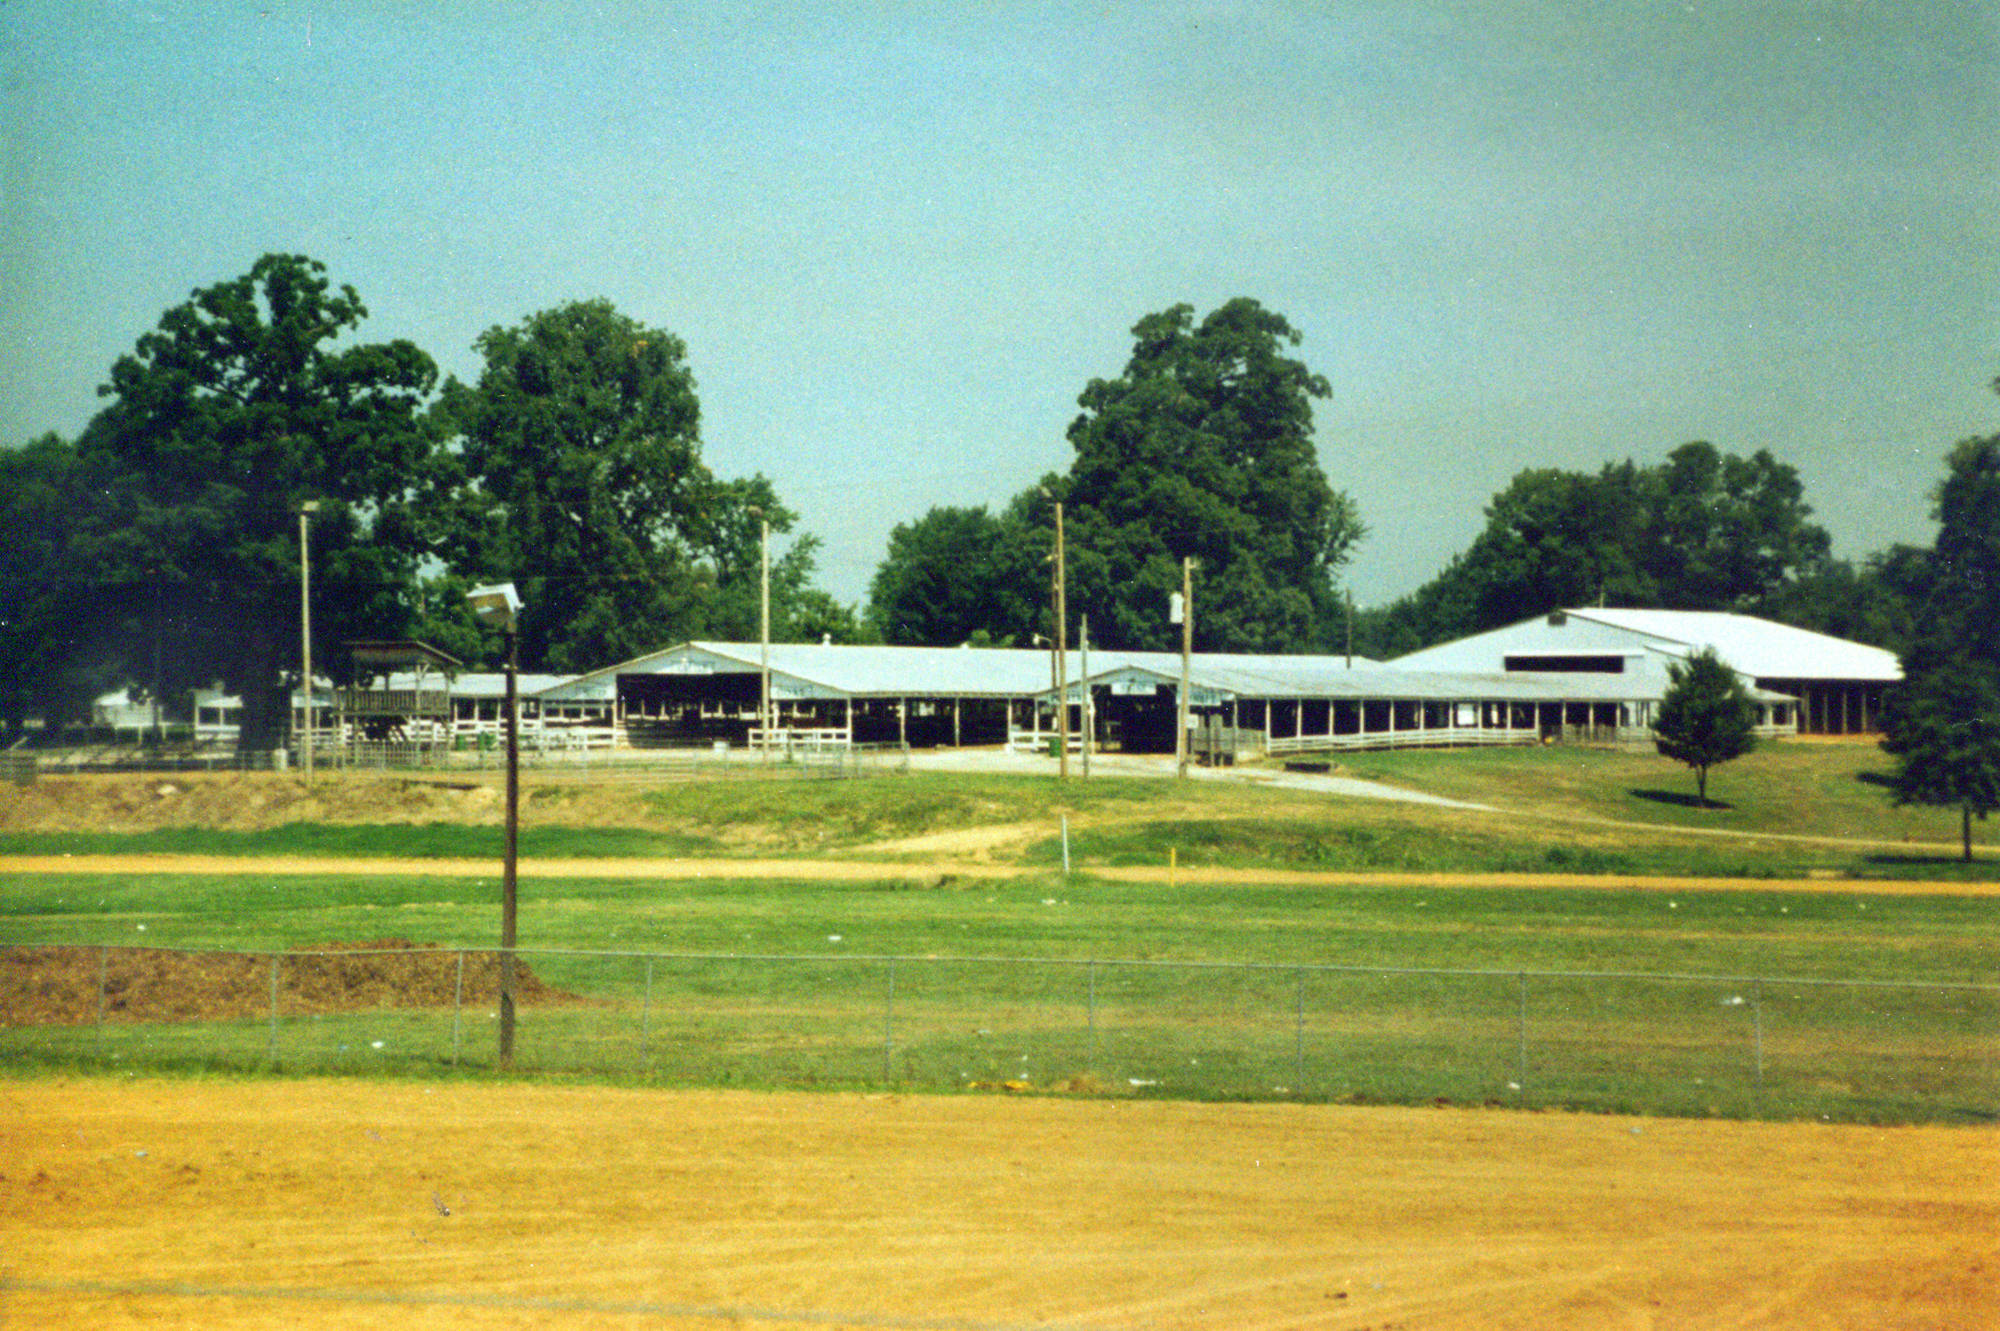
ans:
(1908, 861)
(1875, 778)
(1679, 798)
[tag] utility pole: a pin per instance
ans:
(1062, 653)
(764, 630)
(1187, 652)
(1089, 704)
(306, 510)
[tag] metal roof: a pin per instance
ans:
(1757, 647)
(1209, 685)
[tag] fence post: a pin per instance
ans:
(1757, 1018)
(274, 1010)
(889, 1026)
(646, 1015)
(1299, 1031)
(1521, 1029)
(457, 1006)
(1091, 1015)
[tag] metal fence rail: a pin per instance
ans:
(1656, 1042)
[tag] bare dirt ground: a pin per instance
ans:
(59, 986)
(362, 1205)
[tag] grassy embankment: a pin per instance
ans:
(1789, 810)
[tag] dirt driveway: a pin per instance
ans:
(371, 1205)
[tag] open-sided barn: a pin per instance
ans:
(1839, 685)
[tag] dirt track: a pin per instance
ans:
(365, 1205)
(933, 872)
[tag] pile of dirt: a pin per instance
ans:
(63, 986)
(253, 801)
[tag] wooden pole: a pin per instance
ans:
(764, 633)
(510, 879)
(305, 639)
(1089, 704)
(1187, 652)
(1062, 654)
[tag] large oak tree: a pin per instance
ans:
(1203, 448)
(243, 404)
(578, 475)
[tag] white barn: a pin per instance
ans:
(1839, 685)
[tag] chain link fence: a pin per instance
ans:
(1885, 1051)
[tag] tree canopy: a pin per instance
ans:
(1706, 716)
(960, 575)
(1943, 724)
(1203, 448)
(221, 423)
(1702, 530)
(579, 477)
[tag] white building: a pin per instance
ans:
(1839, 685)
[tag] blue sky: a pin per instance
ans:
(899, 239)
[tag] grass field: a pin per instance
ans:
(1304, 992)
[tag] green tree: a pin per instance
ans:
(1965, 597)
(220, 423)
(1944, 732)
(50, 638)
(1717, 531)
(1706, 717)
(1702, 530)
(1203, 448)
(948, 576)
(578, 476)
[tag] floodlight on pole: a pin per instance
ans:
(306, 510)
(499, 606)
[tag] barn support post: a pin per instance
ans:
(903, 723)
(956, 742)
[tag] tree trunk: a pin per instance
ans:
(1965, 829)
(1701, 785)
(266, 706)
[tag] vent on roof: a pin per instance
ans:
(1557, 619)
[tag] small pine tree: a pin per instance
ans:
(1944, 730)
(1707, 716)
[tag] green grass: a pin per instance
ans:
(1844, 934)
(1784, 788)
(1321, 1013)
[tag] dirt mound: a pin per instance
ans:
(61, 986)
